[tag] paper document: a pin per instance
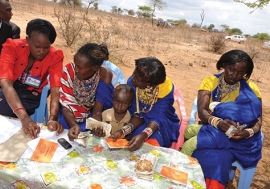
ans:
(93, 123)
(9, 126)
(44, 151)
(51, 136)
(119, 143)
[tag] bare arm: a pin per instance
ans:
(53, 124)
(29, 126)
(71, 121)
(204, 111)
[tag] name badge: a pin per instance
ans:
(32, 82)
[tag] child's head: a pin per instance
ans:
(122, 98)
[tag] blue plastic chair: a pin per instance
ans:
(41, 113)
(246, 174)
(118, 76)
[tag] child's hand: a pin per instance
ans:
(98, 131)
(117, 134)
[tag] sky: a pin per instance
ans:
(217, 12)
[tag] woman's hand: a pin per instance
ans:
(136, 142)
(74, 132)
(240, 135)
(55, 126)
(98, 131)
(117, 134)
(30, 128)
(225, 124)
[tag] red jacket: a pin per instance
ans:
(14, 59)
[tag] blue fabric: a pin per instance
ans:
(216, 152)
(118, 74)
(104, 95)
(163, 114)
(30, 100)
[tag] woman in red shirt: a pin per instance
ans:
(25, 66)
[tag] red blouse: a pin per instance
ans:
(14, 59)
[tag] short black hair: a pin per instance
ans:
(151, 70)
(95, 53)
(236, 56)
(125, 88)
(41, 26)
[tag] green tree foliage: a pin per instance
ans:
(131, 12)
(95, 6)
(235, 31)
(72, 2)
(210, 27)
(145, 11)
(156, 5)
(262, 36)
(225, 28)
(255, 4)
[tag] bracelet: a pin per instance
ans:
(132, 126)
(251, 132)
(214, 121)
(148, 131)
(126, 129)
(20, 108)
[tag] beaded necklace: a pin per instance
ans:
(85, 90)
(224, 87)
(147, 96)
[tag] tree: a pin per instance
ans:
(210, 27)
(262, 36)
(225, 28)
(254, 5)
(235, 31)
(95, 6)
(72, 2)
(146, 11)
(131, 12)
(114, 9)
(156, 5)
(202, 18)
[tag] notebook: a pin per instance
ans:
(174, 175)
(118, 144)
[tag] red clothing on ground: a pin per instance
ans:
(14, 60)
(213, 184)
(152, 141)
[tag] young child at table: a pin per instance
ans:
(119, 115)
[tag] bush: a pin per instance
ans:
(216, 43)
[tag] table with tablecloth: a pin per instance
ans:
(96, 167)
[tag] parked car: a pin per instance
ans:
(238, 38)
(266, 44)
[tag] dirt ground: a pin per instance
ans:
(187, 63)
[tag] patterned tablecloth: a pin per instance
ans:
(98, 167)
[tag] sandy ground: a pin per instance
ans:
(187, 63)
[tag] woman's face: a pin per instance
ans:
(137, 80)
(83, 67)
(39, 45)
(234, 72)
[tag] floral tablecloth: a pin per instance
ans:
(98, 167)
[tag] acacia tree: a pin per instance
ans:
(254, 5)
(156, 5)
(145, 11)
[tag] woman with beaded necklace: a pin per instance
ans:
(86, 88)
(153, 116)
(230, 109)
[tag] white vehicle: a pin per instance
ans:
(238, 38)
(266, 44)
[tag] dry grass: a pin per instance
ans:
(188, 54)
